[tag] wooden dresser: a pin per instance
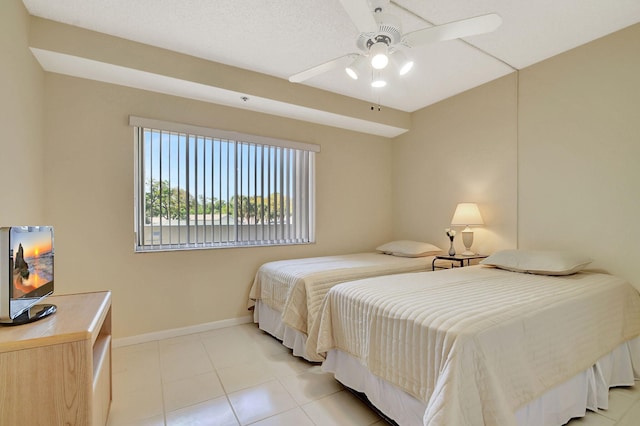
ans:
(57, 371)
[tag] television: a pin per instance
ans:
(26, 273)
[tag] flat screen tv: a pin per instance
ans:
(26, 273)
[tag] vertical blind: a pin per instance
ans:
(204, 188)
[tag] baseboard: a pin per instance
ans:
(177, 332)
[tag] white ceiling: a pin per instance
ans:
(283, 37)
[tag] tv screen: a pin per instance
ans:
(27, 252)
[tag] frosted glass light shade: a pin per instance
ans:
(379, 58)
(406, 67)
(403, 63)
(379, 79)
(357, 68)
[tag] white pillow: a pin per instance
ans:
(405, 248)
(539, 262)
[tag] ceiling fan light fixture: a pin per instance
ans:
(356, 68)
(404, 69)
(404, 64)
(379, 58)
(378, 81)
(381, 36)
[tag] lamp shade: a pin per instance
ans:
(467, 214)
(379, 52)
(379, 79)
(357, 68)
(403, 63)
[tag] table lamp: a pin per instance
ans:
(467, 214)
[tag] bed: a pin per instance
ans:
(287, 294)
(481, 345)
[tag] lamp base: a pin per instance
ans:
(467, 240)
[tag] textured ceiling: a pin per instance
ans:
(281, 38)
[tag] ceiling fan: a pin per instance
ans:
(381, 40)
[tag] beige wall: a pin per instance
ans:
(90, 203)
(579, 151)
(21, 116)
(551, 154)
(462, 149)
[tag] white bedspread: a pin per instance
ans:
(296, 287)
(476, 343)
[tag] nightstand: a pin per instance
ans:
(456, 258)
(61, 362)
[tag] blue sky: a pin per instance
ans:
(202, 151)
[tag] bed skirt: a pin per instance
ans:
(585, 391)
(270, 320)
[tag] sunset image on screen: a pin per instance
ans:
(32, 256)
(34, 244)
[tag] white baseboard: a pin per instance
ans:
(176, 332)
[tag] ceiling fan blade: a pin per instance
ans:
(360, 14)
(457, 29)
(319, 69)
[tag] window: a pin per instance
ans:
(203, 188)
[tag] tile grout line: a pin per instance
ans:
(215, 370)
(298, 405)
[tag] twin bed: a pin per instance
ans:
(482, 345)
(286, 295)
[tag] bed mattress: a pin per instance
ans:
(296, 287)
(476, 343)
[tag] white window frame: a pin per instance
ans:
(282, 167)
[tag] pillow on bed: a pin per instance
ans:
(405, 248)
(538, 261)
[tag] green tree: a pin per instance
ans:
(219, 206)
(156, 201)
(165, 202)
(179, 201)
(244, 208)
(175, 203)
(278, 207)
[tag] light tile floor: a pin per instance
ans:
(242, 376)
